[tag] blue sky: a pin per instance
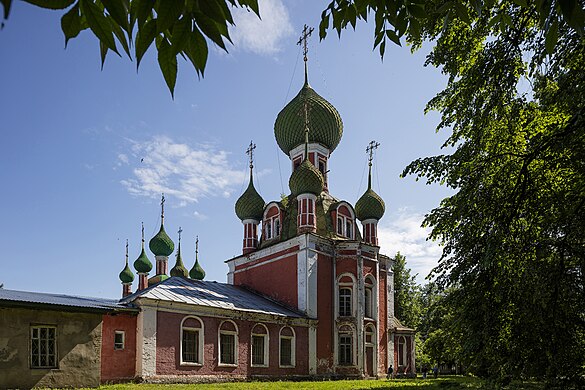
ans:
(86, 153)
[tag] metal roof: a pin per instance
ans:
(27, 298)
(211, 294)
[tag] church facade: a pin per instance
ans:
(310, 296)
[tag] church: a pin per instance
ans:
(310, 296)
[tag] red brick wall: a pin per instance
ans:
(276, 279)
(325, 314)
(168, 349)
(118, 364)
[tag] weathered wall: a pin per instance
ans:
(325, 309)
(119, 364)
(79, 337)
(168, 349)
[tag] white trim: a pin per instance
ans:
(352, 332)
(352, 286)
(345, 221)
(147, 343)
(250, 221)
(293, 347)
(123, 333)
(313, 147)
(312, 350)
(200, 341)
(266, 337)
(236, 344)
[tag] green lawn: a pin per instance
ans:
(444, 383)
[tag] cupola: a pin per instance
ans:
(370, 207)
(126, 277)
(162, 246)
(179, 268)
(142, 266)
(197, 271)
(306, 179)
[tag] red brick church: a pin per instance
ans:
(311, 296)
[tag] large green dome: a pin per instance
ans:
(250, 205)
(142, 264)
(161, 244)
(306, 179)
(326, 124)
(179, 268)
(369, 206)
(126, 276)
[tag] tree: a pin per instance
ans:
(177, 27)
(407, 306)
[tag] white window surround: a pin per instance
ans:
(299, 151)
(345, 226)
(371, 331)
(271, 224)
(352, 285)
(119, 345)
(370, 285)
(345, 331)
(227, 332)
(402, 348)
(266, 346)
(311, 204)
(200, 342)
(292, 347)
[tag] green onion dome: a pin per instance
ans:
(179, 268)
(326, 124)
(306, 179)
(197, 272)
(369, 206)
(126, 276)
(250, 205)
(142, 264)
(161, 244)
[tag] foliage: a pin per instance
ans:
(177, 27)
(407, 296)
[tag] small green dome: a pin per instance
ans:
(179, 268)
(326, 124)
(161, 244)
(250, 205)
(306, 179)
(369, 206)
(142, 264)
(126, 276)
(197, 272)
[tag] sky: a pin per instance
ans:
(86, 153)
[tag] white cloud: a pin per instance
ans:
(178, 170)
(123, 158)
(403, 233)
(199, 216)
(261, 36)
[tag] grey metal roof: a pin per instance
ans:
(211, 294)
(27, 298)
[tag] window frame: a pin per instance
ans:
(370, 304)
(200, 341)
(345, 223)
(402, 357)
(345, 331)
(347, 300)
(292, 339)
(266, 346)
(271, 225)
(234, 334)
(55, 354)
(123, 334)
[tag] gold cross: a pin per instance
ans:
(250, 152)
(303, 40)
(373, 145)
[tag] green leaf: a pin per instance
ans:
(521, 3)
(167, 60)
(118, 10)
(323, 25)
(210, 28)
(417, 11)
(119, 33)
(144, 39)
(141, 10)
(51, 4)
(103, 53)
(461, 12)
(71, 23)
(180, 34)
(99, 24)
(252, 4)
(197, 51)
(168, 12)
(551, 37)
(6, 5)
(393, 37)
(382, 49)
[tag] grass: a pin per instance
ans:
(442, 383)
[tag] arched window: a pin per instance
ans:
(191, 341)
(287, 347)
(401, 351)
(345, 343)
(369, 298)
(345, 221)
(370, 334)
(345, 295)
(344, 301)
(271, 222)
(228, 343)
(259, 345)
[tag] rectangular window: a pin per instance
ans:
(286, 351)
(43, 347)
(258, 350)
(368, 302)
(340, 226)
(190, 346)
(345, 350)
(344, 302)
(348, 228)
(119, 339)
(228, 348)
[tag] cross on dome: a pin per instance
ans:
(250, 152)
(373, 145)
(307, 31)
(162, 207)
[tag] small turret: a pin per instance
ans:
(197, 272)
(126, 277)
(179, 268)
(370, 207)
(142, 266)
(161, 246)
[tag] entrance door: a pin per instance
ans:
(369, 361)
